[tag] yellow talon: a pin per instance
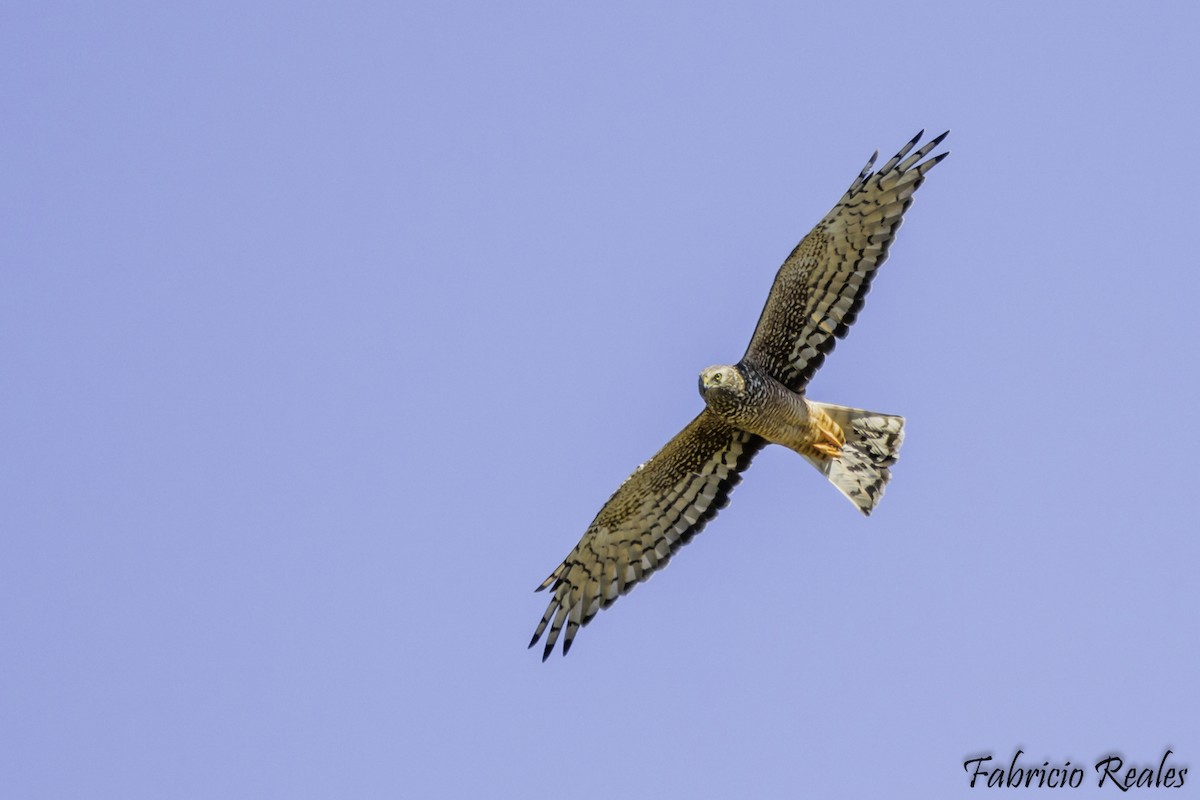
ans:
(829, 438)
(827, 449)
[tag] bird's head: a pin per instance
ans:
(723, 389)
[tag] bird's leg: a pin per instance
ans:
(830, 437)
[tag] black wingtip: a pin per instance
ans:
(938, 139)
(546, 653)
(567, 646)
(533, 641)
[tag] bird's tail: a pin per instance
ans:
(872, 445)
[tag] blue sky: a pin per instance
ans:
(326, 329)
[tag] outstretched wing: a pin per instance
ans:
(658, 508)
(821, 286)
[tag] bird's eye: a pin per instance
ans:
(716, 378)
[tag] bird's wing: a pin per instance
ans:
(658, 508)
(820, 287)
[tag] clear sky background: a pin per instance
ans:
(325, 330)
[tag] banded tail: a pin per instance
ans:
(872, 445)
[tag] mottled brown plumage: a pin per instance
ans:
(758, 401)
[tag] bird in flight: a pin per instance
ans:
(760, 400)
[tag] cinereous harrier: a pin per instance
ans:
(758, 401)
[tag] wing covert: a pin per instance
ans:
(820, 288)
(657, 510)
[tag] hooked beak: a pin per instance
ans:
(709, 378)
